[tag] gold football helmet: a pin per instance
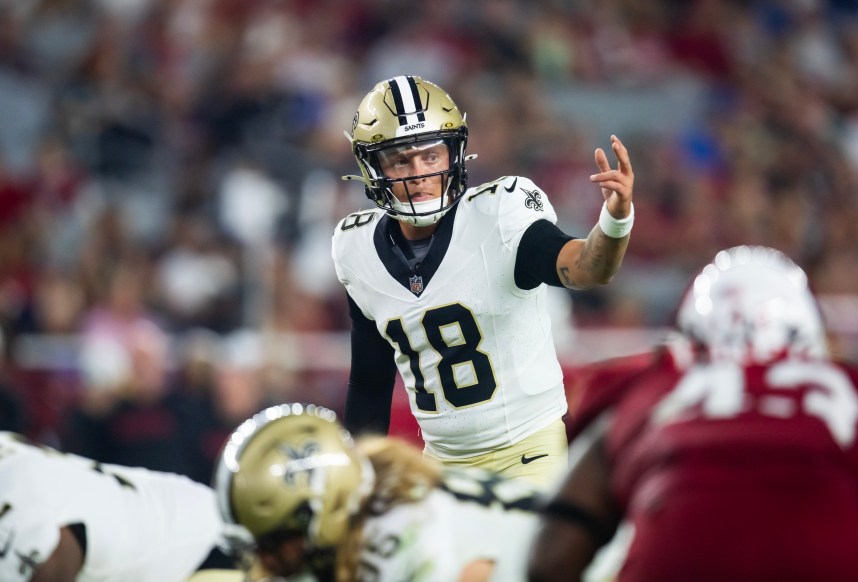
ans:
(402, 113)
(291, 470)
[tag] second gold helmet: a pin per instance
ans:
(292, 469)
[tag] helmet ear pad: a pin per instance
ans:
(370, 193)
(461, 176)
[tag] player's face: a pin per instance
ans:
(281, 557)
(416, 160)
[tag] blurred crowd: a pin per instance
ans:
(169, 178)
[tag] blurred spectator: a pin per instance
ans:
(13, 413)
(128, 413)
(120, 307)
(215, 389)
(12, 410)
(197, 280)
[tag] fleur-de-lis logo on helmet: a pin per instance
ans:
(299, 468)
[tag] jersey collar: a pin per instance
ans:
(389, 242)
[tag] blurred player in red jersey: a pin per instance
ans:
(736, 463)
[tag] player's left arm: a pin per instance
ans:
(582, 264)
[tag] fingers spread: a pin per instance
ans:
(610, 175)
(622, 154)
(619, 181)
(602, 160)
(614, 186)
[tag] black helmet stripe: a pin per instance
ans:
(406, 98)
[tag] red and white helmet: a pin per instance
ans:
(752, 304)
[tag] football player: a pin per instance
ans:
(318, 504)
(447, 284)
(66, 518)
(733, 459)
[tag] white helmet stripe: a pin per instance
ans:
(409, 109)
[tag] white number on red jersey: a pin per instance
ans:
(720, 391)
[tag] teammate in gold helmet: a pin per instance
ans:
(318, 504)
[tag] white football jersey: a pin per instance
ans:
(475, 352)
(141, 526)
(475, 517)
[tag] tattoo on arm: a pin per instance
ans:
(596, 263)
(602, 255)
(594, 258)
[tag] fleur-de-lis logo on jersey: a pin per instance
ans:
(533, 199)
(299, 464)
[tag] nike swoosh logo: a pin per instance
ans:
(511, 188)
(525, 460)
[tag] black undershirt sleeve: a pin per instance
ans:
(371, 380)
(536, 258)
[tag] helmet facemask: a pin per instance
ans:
(380, 187)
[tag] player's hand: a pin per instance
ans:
(617, 185)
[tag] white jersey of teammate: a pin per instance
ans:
(432, 540)
(141, 526)
(475, 352)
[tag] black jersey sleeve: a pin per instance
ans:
(536, 258)
(371, 380)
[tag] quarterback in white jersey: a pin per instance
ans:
(448, 284)
(125, 524)
(474, 349)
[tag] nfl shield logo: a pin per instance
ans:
(416, 284)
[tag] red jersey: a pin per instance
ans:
(733, 473)
(594, 387)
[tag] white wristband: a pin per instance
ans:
(616, 228)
